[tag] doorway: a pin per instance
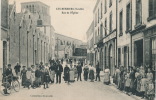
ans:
(110, 59)
(4, 53)
(138, 53)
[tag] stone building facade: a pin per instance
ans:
(90, 44)
(104, 14)
(65, 46)
(4, 42)
(129, 39)
(31, 38)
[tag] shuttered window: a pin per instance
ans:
(152, 9)
(138, 12)
(128, 16)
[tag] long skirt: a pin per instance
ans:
(91, 75)
(71, 77)
(106, 77)
(52, 75)
(32, 78)
(24, 80)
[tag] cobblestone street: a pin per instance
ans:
(81, 90)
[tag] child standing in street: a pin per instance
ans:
(150, 90)
(46, 78)
(28, 76)
(127, 83)
(143, 84)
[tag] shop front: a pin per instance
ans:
(150, 47)
(109, 52)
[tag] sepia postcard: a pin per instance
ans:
(78, 49)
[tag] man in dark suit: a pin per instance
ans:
(79, 70)
(97, 72)
(59, 70)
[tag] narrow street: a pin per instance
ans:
(79, 90)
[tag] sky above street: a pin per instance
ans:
(73, 25)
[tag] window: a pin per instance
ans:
(121, 23)
(105, 6)
(95, 19)
(128, 15)
(101, 31)
(23, 40)
(154, 52)
(14, 16)
(110, 3)
(30, 43)
(33, 8)
(110, 23)
(152, 9)
(106, 27)
(30, 8)
(98, 15)
(61, 43)
(98, 31)
(138, 12)
(44, 29)
(119, 56)
(101, 11)
(14, 37)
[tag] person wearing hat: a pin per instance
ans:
(9, 73)
(17, 69)
(33, 69)
(23, 76)
(59, 70)
(28, 76)
(79, 70)
(38, 77)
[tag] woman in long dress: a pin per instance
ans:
(107, 76)
(23, 75)
(52, 72)
(75, 71)
(66, 73)
(86, 70)
(28, 76)
(33, 69)
(91, 73)
(71, 74)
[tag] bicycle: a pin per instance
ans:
(6, 87)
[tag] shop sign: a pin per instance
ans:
(111, 36)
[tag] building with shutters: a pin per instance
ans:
(90, 44)
(104, 14)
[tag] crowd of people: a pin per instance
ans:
(132, 81)
(136, 81)
(38, 75)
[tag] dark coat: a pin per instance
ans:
(52, 68)
(98, 70)
(66, 73)
(38, 73)
(79, 69)
(17, 68)
(59, 68)
(8, 72)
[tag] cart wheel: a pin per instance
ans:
(5, 88)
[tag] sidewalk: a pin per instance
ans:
(112, 84)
